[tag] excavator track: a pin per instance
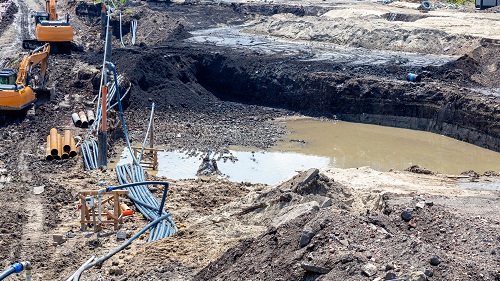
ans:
(55, 47)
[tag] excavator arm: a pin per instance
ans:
(51, 9)
(38, 56)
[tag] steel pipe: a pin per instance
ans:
(67, 141)
(90, 117)
(48, 155)
(83, 117)
(53, 142)
(76, 119)
(72, 151)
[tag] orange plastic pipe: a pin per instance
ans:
(53, 142)
(83, 118)
(67, 141)
(62, 154)
(59, 148)
(48, 155)
(104, 108)
(72, 152)
(126, 211)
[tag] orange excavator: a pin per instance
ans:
(49, 29)
(17, 90)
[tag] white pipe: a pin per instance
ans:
(133, 26)
(81, 268)
(121, 38)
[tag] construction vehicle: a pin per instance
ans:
(17, 90)
(49, 29)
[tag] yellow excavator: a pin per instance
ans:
(49, 29)
(17, 90)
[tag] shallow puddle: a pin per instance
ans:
(258, 167)
(320, 144)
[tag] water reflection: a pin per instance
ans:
(258, 167)
(320, 144)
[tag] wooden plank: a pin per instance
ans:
(116, 210)
(147, 148)
(83, 226)
(103, 222)
(94, 192)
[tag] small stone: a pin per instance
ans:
(115, 263)
(429, 203)
(435, 261)
(218, 219)
(305, 238)
(390, 276)
(38, 189)
(314, 268)
(327, 203)
(429, 273)
(417, 276)
(389, 266)
(420, 205)
(412, 223)
(406, 216)
(58, 238)
(369, 269)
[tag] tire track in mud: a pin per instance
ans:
(22, 28)
(32, 230)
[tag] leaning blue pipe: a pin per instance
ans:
(112, 67)
(16, 268)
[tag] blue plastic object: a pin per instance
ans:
(413, 77)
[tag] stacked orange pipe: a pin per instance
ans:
(60, 147)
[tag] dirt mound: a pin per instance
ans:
(485, 64)
(333, 244)
(153, 27)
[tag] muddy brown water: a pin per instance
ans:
(350, 145)
(320, 144)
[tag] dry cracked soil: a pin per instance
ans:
(220, 73)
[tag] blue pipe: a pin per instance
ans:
(16, 268)
(112, 67)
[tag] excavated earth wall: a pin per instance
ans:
(313, 89)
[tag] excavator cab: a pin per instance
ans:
(41, 16)
(8, 78)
